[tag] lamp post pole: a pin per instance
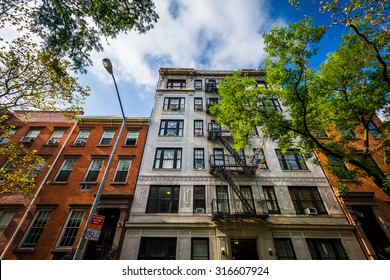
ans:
(80, 248)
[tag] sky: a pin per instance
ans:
(201, 34)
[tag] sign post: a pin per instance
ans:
(95, 227)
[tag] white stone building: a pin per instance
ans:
(195, 199)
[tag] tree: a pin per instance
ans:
(40, 76)
(340, 97)
(75, 28)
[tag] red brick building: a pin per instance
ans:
(77, 154)
(367, 206)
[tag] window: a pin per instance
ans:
(198, 84)
(107, 137)
(200, 249)
(222, 199)
(37, 168)
(122, 170)
(198, 127)
(347, 133)
(211, 85)
(173, 103)
(292, 160)
(339, 168)
(163, 199)
(326, 249)
(176, 84)
(65, 170)
(212, 101)
(6, 216)
(374, 131)
(69, 233)
(131, 138)
(30, 136)
(93, 170)
(306, 197)
(284, 249)
(198, 103)
(218, 157)
(35, 229)
(270, 199)
(168, 158)
(157, 248)
(56, 136)
(246, 192)
(199, 200)
(6, 135)
(272, 103)
(198, 158)
(82, 137)
(5, 169)
(171, 127)
(259, 158)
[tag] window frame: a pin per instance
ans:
(315, 200)
(374, 130)
(63, 170)
(222, 204)
(176, 84)
(103, 138)
(56, 136)
(201, 257)
(155, 199)
(199, 198)
(170, 105)
(198, 128)
(165, 129)
(198, 84)
(199, 158)
(334, 245)
(287, 163)
(91, 168)
(270, 190)
(176, 161)
(129, 140)
(80, 136)
(35, 229)
(284, 251)
(167, 244)
(70, 228)
(6, 216)
(198, 103)
(117, 170)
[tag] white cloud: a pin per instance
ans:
(203, 34)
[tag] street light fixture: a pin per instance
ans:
(80, 248)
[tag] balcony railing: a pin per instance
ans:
(214, 130)
(228, 162)
(234, 208)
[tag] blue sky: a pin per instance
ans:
(201, 34)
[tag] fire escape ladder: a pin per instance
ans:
(237, 191)
(239, 160)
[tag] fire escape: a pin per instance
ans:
(224, 165)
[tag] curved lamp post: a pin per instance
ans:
(80, 248)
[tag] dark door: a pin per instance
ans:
(244, 249)
(100, 250)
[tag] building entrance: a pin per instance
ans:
(244, 249)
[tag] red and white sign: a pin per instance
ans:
(95, 227)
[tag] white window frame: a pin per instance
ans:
(67, 225)
(106, 135)
(132, 134)
(33, 225)
(119, 168)
(65, 167)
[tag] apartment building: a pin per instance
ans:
(196, 198)
(366, 205)
(77, 154)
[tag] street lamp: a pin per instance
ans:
(107, 64)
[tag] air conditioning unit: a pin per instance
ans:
(52, 142)
(199, 107)
(171, 133)
(198, 133)
(198, 166)
(27, 140)
(199, 211)
(310, 211)
(174, 107)
(79, 142)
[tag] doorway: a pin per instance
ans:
(244, 249)
(98, 250)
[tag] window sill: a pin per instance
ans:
(50, 145)
(129, 146)
(166, 169)
(24, 250)
(103, 146)
(59, 183)
(118, 183)
(61, 250)
(297, 170)
(88, 183)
